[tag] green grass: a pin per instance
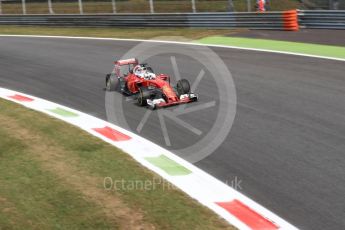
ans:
(52, 174)
(142, 6)
(35, 198)
(295, 47)
(163, 33)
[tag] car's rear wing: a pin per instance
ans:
(130, 61)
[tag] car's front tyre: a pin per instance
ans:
(183, 87)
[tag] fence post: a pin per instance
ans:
(113, 3)
(193, 6)
(230, 5)
(152, 10)
(80, 6)
(249, 6)
(23, 6)
(50, 7)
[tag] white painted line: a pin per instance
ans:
(180, 43)
(243, 212)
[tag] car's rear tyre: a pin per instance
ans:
(112, 83)
(144, 94)
(182, 87)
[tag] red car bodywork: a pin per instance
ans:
(162, 81)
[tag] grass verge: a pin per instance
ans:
(295, 47)
(134, 33)
(52, 176)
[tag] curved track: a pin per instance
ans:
(288, 139)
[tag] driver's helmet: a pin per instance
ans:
(138, 70)
(143, 72)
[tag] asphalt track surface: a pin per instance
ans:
(288, 139)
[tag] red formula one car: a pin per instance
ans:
(153, 90)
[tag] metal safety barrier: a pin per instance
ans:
(286, 20)
(271, 20)
(322, 19)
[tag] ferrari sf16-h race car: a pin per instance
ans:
(152, 90)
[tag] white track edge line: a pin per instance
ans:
(179, 43)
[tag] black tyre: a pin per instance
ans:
(183, 87)
(144, 94)
(112, 83)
